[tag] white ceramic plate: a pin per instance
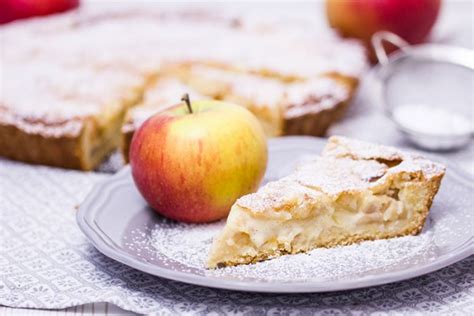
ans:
(118, 222)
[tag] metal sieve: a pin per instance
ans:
(434, 82)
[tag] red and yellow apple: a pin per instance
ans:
(192, 161)
(411, 19)
(18, 9)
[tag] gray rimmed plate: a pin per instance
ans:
(118, 222)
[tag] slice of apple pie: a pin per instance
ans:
(354, 191)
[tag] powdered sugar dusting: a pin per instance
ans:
(345, 165)
(314, 96)
(162, 94)
(339, 146)
(186, 243)
(334, 176)
(263, 91)
(340, 262)
(190, 244)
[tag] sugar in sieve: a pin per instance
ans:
(426, 90)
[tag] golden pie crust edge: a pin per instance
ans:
(316, 124)
(65, 152)
(84, 151)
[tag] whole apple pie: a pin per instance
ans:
(77, 85)
(354, 191)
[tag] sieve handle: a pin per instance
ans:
(386, 36)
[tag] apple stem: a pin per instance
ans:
(185, 98)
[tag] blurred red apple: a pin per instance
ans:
(410, 19)
(19, 9)
(191, 165)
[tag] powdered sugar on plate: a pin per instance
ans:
(189, 244)
(338, 263)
